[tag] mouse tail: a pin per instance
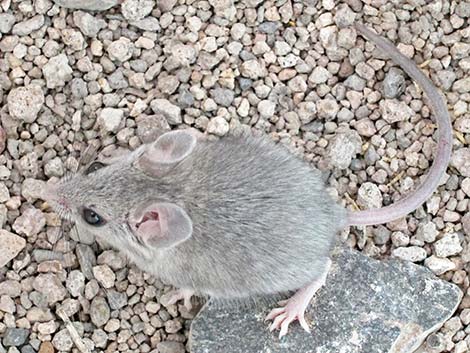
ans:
(410, 203)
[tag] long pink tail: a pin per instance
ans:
(444, 148)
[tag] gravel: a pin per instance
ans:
(123, 72)
(24, 103)
(10, 246)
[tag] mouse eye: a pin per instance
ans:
(93, 167)
(93, 218)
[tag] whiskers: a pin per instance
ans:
(63, 212)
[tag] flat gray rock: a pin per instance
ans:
(366, 306)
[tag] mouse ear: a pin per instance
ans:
(168, 149)
(161, 225)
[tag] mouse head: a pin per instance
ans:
(130, 201)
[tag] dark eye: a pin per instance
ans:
(93, 218)
(93, 167)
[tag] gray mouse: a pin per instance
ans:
(232, 218)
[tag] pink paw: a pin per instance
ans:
(176, 295)
(283, 316)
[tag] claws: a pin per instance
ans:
(284, 316)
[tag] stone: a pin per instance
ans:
(365, 306)
(462, 125)
(327, 108)
(62, 341)
(7, 20)
(89, 25)
(116, 300)
(104, 275)
(393, 110)
(10, 246)
(57, 71)
(461, 161)
(31, 222)
(4, 193)
(32, 189)
(7, 304)
(446, 78)
(166, 5)
(394, 83)
(134, 10)
(170, 347)
(218, 126)
(319, 75)
(269, 27)
(120, 50)
(344, 16)
(10, 288)
(3, 139)
(369, 196)
(89, 5)
(411, 253)
(150, 24)
(171, 112)
(50, 286)
(110, 119)
(28, 26)
(99, 311)
(149, 127)
(266, 108)
(427, 232)
(224, 8)
(251, 69)
(448, 245)
(15, 336)
(343, 147)
(439, 265)
(463, 9)
(24, 103)
(238, 30)
(75, 283)
(462, 86)
(113, 259)
(46, 328)
(73, 39)
(54, 168)
(223, 96)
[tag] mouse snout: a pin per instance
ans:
(51, 194)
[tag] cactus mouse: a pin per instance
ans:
(236, 217)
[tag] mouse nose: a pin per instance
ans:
(51, 194)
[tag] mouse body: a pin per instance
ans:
(236, 217)
(261, 218)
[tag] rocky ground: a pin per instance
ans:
(296, 70)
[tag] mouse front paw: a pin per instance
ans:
(175, 295)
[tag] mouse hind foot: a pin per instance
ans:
(294, 308)
(178, 294)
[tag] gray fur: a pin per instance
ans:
(262, 220)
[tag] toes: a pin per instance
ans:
(274, 313)
(277, 322)
(187, 303)
(303, 323)
(284, 327)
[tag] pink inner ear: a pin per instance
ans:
(150, 216)
(150, 226)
